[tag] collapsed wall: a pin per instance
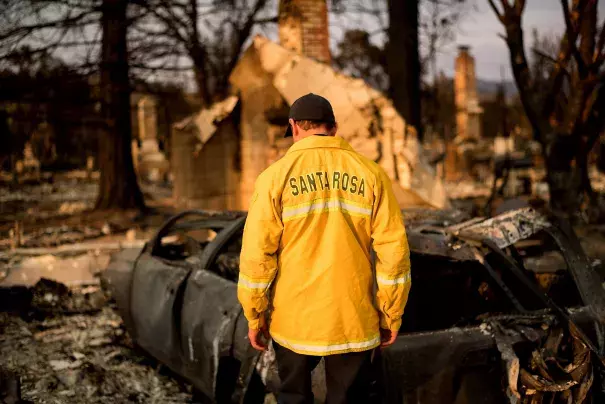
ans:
(366, 118)
(218, 153)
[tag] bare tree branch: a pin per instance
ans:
(599, 57)
(499, 14)
(161, 68)
(170, 24)
(588, 30)
(267, 20)
(506, 6)
(594, 117)
(58, 23)
(572, 33)
(243, 33)
(558, 63)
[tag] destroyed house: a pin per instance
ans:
(218, 153)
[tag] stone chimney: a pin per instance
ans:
(468, 111)
(303, 28)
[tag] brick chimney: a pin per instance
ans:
(468, 110)
(303, 28)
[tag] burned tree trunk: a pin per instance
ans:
(212, 51)
(565, 110)
(118, 187)
(564, 179)
(403, 60)
(198, 58)
(7, 143)
(198, 55)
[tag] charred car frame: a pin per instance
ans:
(474, 318)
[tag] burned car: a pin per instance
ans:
(485, 322)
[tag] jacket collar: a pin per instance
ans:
(314, 142)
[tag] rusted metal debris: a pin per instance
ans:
(177, 297)
(548, 302)
(558, 368)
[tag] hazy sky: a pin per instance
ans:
(481, 28)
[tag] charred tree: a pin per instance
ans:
(197, 53)
(403, 60)
(566, 111)
(7, 142)
(212, 53)
(118, 186)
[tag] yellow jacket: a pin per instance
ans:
(313, 219)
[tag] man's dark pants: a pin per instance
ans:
(349, 377)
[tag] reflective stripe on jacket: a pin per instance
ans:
(313, 219)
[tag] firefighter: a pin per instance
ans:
(306, 278)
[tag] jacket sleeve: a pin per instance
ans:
(390, 243)
(258, 258)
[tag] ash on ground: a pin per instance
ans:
(69, 346)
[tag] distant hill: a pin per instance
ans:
(486, 88)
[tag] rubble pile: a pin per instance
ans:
(71, 269)
(69, 345)
(51, 236)
(467, 189)
(65, 194)
(50, 297)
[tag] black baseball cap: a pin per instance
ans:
(310, 107)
